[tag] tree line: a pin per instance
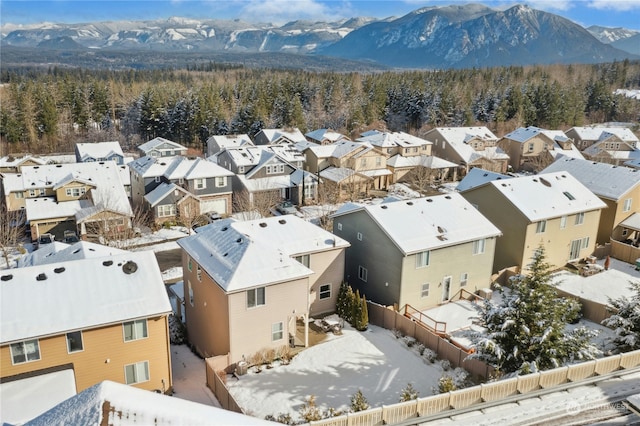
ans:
(50, 110)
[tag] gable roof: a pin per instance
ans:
(198, 168)
(523, 134)
(428, 161)
(229, 141)
(338, 149)
(11, 161)
(547, 195)
(161, 191)
(158, 142)
(279, 135)
(99, 150)
(604, 180)
(242, 255)
(244, 155)
(477, 177)
(458, 139)
(80, 294)
(330, 135)
(427, 223)
(62, 252)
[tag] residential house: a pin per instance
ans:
(248, 283)
(68, 325)
(477, 177)
(617, 187)
(99, 151)
(171, 202)
(325, 136)
(13, 164)
(552, 209)
(528, 148)
(585, 136)
(419, 252)
(218, 143)
(88, 198)
(279, 136)
(615, 146)
(634, 164)
(161, 147)
(468, 147)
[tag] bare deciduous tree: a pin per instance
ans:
(248, 204)
(12, 229)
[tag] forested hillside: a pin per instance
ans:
(51, 110)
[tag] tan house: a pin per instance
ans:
(420, 252)
(11, 164)
(71, 324)
(551, 209)
(528, 148)
(614, 148)
(247, 284)
(617, 187)
(585, 136)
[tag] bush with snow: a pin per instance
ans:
(409, 393)
(430, 355)
(359, 402)
(625, 320)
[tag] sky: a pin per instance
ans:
(607, 13)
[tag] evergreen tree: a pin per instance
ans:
(408, 393)
(359, 402)
(343, 302)
(526, 332)
(364, 314)
(356, 311)
(625, 320)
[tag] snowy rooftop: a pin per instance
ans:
(245, 155)
(275, 135)
(635, 163)
(337, 150)
(133, 406)
(80, 294)
(604, 180)
(632, 221)
(459, 139)
(477, 177)
(265, 183)
(12, 182)
(427, 223)
(338, 174)
(147, 166)
(189, 169)
(99, 150)
(62, 252)
(588, 133)
(47, 207)
(428, 161)
(572, 152)
(325, 134)
(523, 134)
(11, 161)
(548, 195)
(286, 152)
(622, 133)
(392, 139)
(228, 141)
(161, 191)
(240, 255)
(157, 142)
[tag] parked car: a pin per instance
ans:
(70, 237)
(286, 207)
(45, 239)
(213, 216)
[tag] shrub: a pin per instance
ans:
(429, 355)
(420, 348)
(446, 384)
(283, 418)
(284, 354)
(446, 365)
(397, 333)
(408, 393)
(310, 411)
(409, 341)
(358, 402)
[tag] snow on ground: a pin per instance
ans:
(158, 239)
(402, 191)
(189, 377)
(172, 274)
(373, 361)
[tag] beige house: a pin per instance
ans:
(552, 209)
(585, 136)
(528, 148)
(247, 284)
(614, 148)
(420, 252)
(69, 324)
(617, 187)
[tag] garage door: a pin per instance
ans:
(219, 206)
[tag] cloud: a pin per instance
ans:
(282, 11)
(618, 5)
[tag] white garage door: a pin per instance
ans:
(218, 206)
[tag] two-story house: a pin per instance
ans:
(585, 136)
(70, 324)
(468, 147)
(325, 136)
(219, 143)
(617, 187)
(615, 146)
(551, 209)
(419, 252)
(279, 136)
(527, 148)
(248, 283)
(99, 151)
(12, 164)
(161, 147)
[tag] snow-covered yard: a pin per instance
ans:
(189, 377)
(374, 361)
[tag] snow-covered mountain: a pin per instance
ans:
(610, 35)
(450, 36)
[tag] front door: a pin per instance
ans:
(446, 287)
(574, 253)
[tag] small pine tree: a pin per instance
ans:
(408, 393)
(625, 320)
(359, 402)
(446, 384)
(364, 314)
(356, 311)
(343, 303)
(310, 411)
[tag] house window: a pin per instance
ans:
(627, 205)
(378, 161)
(167, 210)
(275, 169)
(531, 147)
(363, 162)
(255, 297)
(135, 330)
(200, 183)
(580, 218)
(277, 331)
(190, 292)
(26, 351)
(325, 291)
(422, 259)
(157, 179)
(541, 227)
(359, 236)
(136, 373)
(563, 222)
(32, 193)
(198, 272)
(75, 192)
(190, 264)
(585, 242)
(221, 181)
(74, 342)
(478, 246)
(308, 190)
(625, 232)
(19, 194)
(464, 277)
(304, 259)
(241, 169)
(362, 273)
(339, 226)
(424, 291)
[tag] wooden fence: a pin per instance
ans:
(213, 365)
(494, 391)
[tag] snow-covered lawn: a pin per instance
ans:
(189, 377)
(374, 361)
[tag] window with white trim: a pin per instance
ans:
(221, 181)
(167, 210)
(478, 246)
(580, 218)
(19, 194)
(25, 351)
(136, 373)
(135, 330)
(531, 147)
(256, 297)
(627, 205)
(199, 272)
(190, 292)
(277, 331)
(585, 243)
(273, 169)
(464, 277)
(189, 263)
(74, 342)
(422, 259)
(339, 226)
(75, 192)
(359, 236)
(325, 291)
(304, 259)
(362, 273)
(200, 183)
(563, 222)
(424, 290)
(541, 227)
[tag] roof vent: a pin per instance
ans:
(442, 238)
(130, 267)
(441, 230)
(429, 200)
(239, 241)
(224, 229)
(76, 251)
(225, 255)
(409, 203)
(6, 277)
(384, 207)
(263, 224)
(282, 221)
(107, 263)
(41, 277)
(59, 270)
(504, 184)
(36, 167)
(545, 182)
(448, 197)
(58, 165)
(535, 180)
